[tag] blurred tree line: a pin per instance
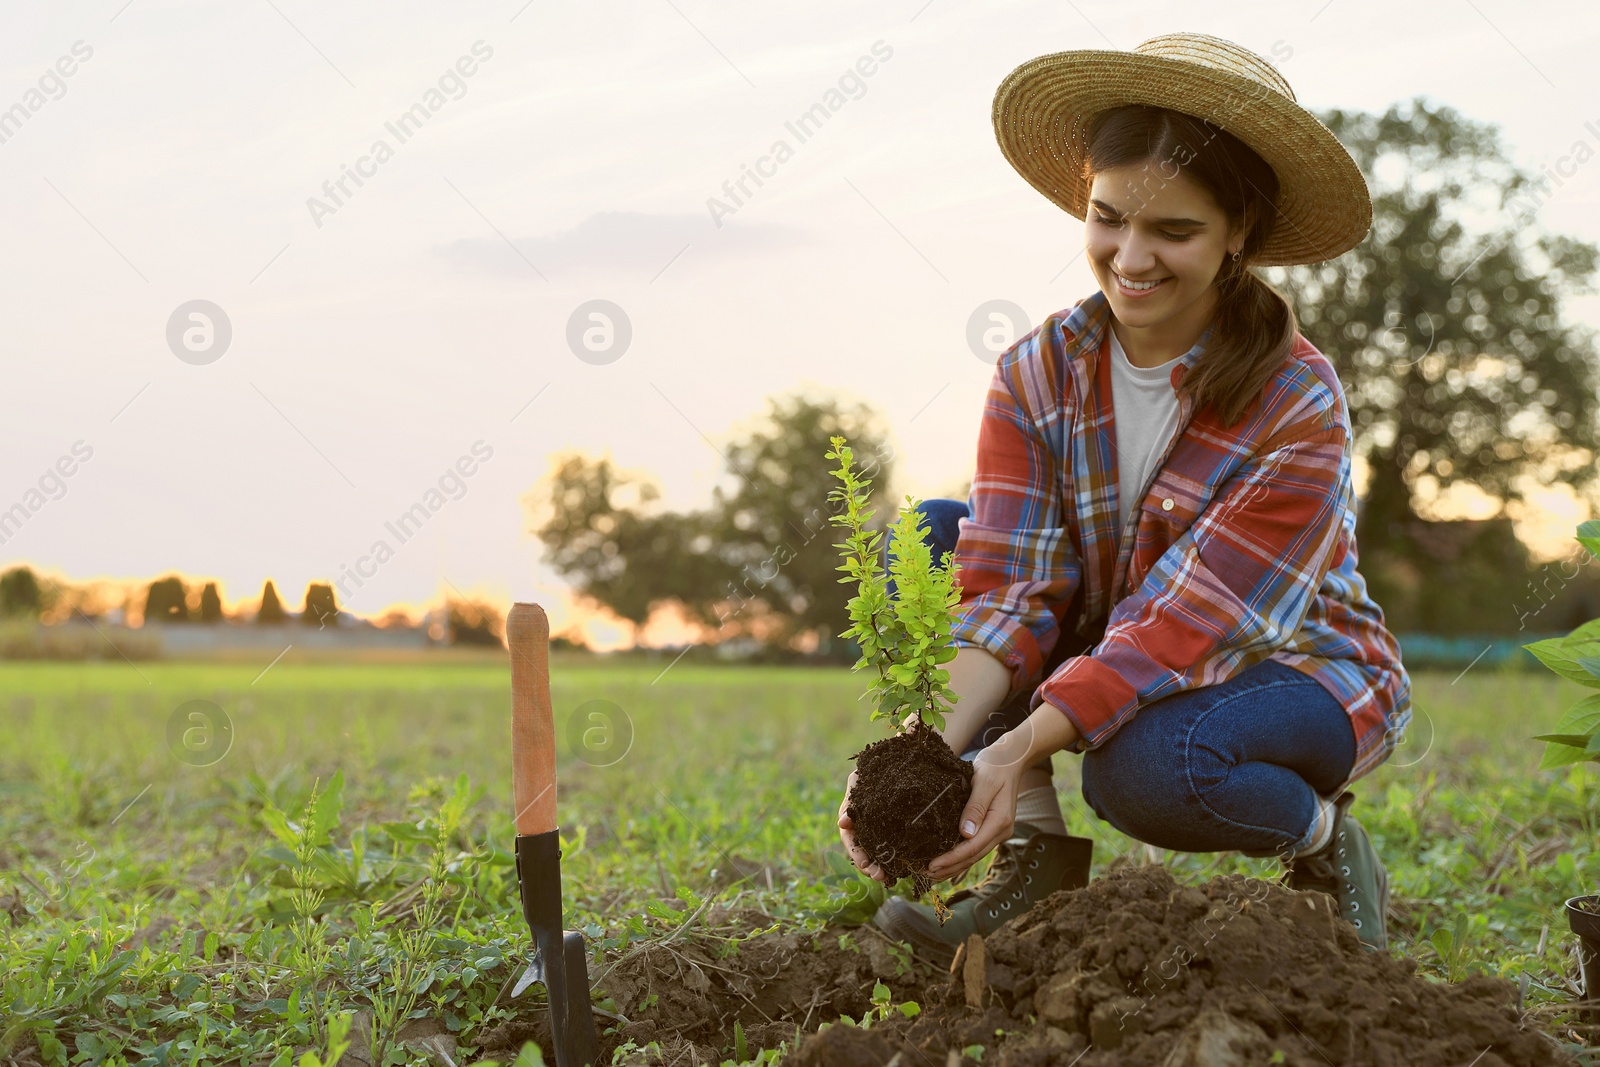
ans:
(1445, 325)
(170, 600)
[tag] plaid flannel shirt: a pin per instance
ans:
(1241, 549)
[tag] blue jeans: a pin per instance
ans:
(1233, 766)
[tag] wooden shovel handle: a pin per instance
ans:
(533, 733)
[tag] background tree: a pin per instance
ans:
(759, 561)
(19, 594)
(606, 535)
(474, 622)
(271, 611)
(570, 640)
(90, 601)
(395, 619)
(321, 609)
(210, 604)
(773, 527)
(166, 601)
(1448, 337)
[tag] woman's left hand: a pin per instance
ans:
(990, 812)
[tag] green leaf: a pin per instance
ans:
(1571, 740)
(1582, 718)
(278, 823)
(338, 1040)
(1568, 656)
(837, 864)
(1589, 536)
(1559, 754)
(329, 805)
(53, 1051)
(860, 901)
(453, 809)
(530, 1056)
(662, 911)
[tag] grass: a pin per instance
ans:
(165, 912)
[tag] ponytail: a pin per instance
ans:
(1253, 333)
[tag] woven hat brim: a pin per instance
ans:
(1043, 109)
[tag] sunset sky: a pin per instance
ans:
(391, 329)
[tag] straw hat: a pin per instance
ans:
(1043, 110)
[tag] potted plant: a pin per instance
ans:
(910, 787)
(1577, 739)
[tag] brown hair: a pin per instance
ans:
(1254, 325)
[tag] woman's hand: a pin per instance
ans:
(996, 780)
(857, 854)
(990, 812)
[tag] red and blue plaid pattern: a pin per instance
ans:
(1241, 549)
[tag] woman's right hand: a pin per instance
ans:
(857, 854)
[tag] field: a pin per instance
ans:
(165, 909)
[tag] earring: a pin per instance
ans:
(1236, 257)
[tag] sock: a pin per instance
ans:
(1321, 827)
(1040, 808)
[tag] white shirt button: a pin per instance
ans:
(1166, 505)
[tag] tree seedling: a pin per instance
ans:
(910, 787)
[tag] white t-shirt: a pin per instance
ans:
(1145, 410)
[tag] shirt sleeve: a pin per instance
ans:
(1228, 592)
(1017, 565)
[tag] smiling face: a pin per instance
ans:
(1143, 228)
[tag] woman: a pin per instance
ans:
(1157, 558)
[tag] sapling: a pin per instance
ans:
(910, 787)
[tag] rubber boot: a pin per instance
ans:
(1348, 869)
(1027, 867)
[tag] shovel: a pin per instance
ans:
(559, 959)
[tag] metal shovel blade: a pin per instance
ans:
(534, 973)
(559, 959)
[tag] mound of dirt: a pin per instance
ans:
(686, 997)
(1139, 970)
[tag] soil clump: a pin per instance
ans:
(907, 800)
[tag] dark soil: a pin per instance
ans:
(907, 801)
(1138, 970)
(686, 998)
(1134, 970)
